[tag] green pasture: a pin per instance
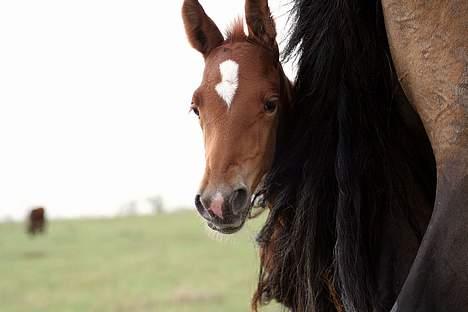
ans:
(137, 264)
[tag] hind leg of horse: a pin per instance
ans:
(438, 279)
(429, 41)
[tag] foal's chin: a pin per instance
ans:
(234, 226)
(224, 229)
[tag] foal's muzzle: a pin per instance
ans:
(225, 211)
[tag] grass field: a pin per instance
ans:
(158, 263)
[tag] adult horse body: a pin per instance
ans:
(347, 84)
(36, 222)
(429, 45)
(352, 184)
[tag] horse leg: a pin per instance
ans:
(438, 278)
(428, 41)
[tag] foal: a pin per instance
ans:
(243, 92)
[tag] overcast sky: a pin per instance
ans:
(94, 99)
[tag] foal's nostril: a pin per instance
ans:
(201, 209)
(197, 200)
(238, 200)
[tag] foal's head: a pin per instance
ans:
(238, 102)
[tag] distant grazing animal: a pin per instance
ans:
(364, 162)
(36, 221)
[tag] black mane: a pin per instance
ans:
(350, 156)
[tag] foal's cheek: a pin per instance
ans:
(270, 140)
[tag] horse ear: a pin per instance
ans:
(260, 22)
(202, 32)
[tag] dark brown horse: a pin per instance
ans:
(367, 211)
(36, 221)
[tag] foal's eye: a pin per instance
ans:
(270, 105)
